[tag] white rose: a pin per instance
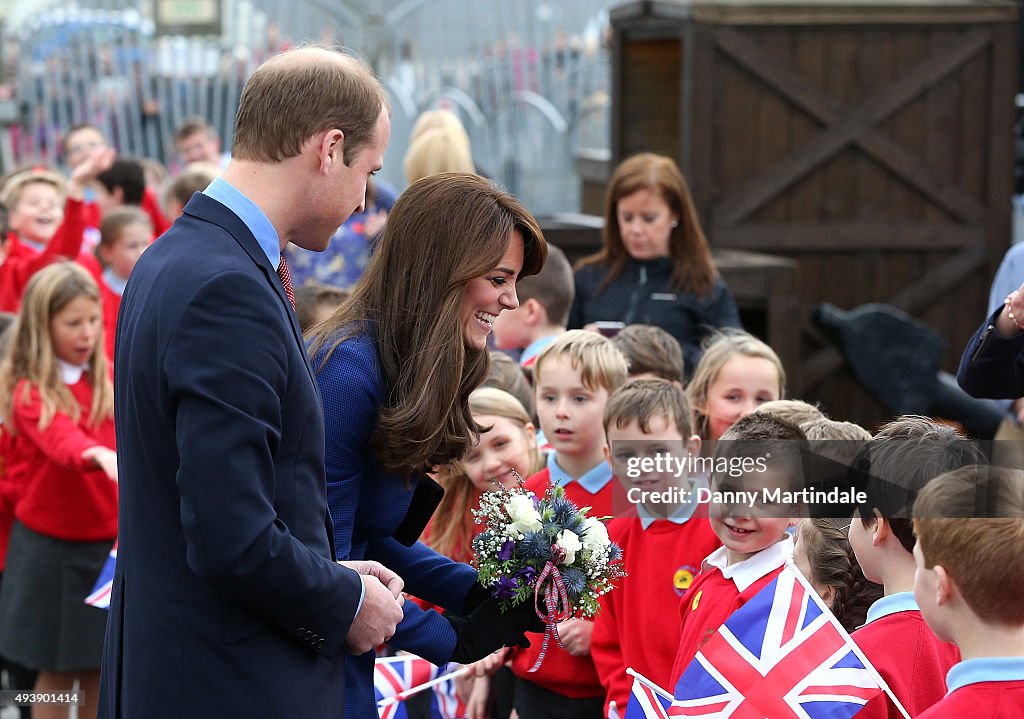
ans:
(570, 543)
(595, 534)
(525, 517)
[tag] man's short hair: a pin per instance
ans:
(301, 92)
(599, 362)
(128, 174)
(641, 400)
(650, 349)
(553, 287)
(971, 522)
(899, 461)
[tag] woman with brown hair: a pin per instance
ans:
(655, 267)
(396, 365)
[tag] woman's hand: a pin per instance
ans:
(1010, 321)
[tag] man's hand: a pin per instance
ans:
(388, 578)
(376, 620)
(575, 635)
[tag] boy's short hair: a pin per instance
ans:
(193, 126)
(116, 219)
(17, 182)
(506, 374)
(310, 296)
(641, 400)
(76, 128)
(971, 522)
(825, 429)
(794, 411)
(553, 287)
(760, 436)
(600, 363)
(899, 461)
(128, 174)
(196, 177)
(650, 349)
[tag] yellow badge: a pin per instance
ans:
(696, 600)
(683, 579)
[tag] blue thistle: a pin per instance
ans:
(564, 511)
(479, 542)
(575, 582)
(552, 529)
(535, 545)
(615, 553)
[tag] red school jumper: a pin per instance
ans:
(990, 687)
(661, 562)
(719, 590)
(907, 654)
(63, 496)
(561, 672)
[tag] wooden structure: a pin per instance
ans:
(869, 141)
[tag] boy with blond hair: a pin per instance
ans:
(969, 581)
(891, 469)
(663, 540)
(544, 302)
(756, 545)
(573, 378)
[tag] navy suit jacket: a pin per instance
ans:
(227, 601)
(992, 366)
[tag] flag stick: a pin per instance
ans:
(644, 680)
(402, 696)
(853, 644)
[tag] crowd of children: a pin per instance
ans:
(930, 594)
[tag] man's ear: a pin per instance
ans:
(331, 149)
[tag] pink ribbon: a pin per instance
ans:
(556, 603)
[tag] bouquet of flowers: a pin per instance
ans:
(532, 548)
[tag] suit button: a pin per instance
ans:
(320, 643)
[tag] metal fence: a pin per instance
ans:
(528, 78)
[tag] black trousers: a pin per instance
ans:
(533, 701)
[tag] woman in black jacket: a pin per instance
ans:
(655, 267)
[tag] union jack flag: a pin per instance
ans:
(782, 655)
(394, 676)
(100, 595)
(647, 702)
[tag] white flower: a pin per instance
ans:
(570, 543)
(595, 535)
(525, 517)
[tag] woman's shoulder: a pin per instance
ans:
(351, 356)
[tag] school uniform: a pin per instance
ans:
(906, 653)
(529, 356)
(65, 524)
(990, 687)
(565, 685)
(718, 591)
(661, 556)
(111, 289)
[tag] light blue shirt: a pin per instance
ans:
(114, 281)
(985, 669)
(259, 225)
(898, 602)
(593, 480)
(533, 349)
(254, 218)
(682, 514)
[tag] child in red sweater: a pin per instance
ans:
(663, 540)
(57, 403)
(892, 468)
(573, 377)
(969, 581)
(756, 544)
(125, 233)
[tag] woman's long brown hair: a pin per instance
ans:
(443, 231)
(693, 268)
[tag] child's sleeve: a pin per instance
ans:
(63, 441)
(606, 650)
(65, 243)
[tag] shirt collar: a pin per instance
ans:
(533, 349)
(683, 512)
(249, 213)
(898, 602)
(593, 481)
(115, 282)
(985, 669)
(753, 568)
(71, 373)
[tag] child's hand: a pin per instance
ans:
(575, 635)
(99, 160)
(104, 459)
(479, 698)
(489, 664)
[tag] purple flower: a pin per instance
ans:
(506, 588)
(505, 553)
(525, 575)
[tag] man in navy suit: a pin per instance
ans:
(226, 600)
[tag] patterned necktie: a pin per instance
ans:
(286, 280)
